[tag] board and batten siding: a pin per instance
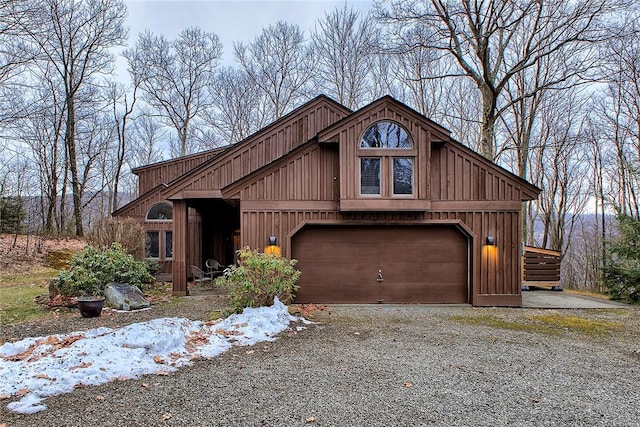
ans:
(492, 269)
(259, 150)
(311, 173)
(349, 134)
(139, 207)
(304, 169)
(166, 171)
(457, 176)
(272, 204)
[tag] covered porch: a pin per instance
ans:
(203, 229)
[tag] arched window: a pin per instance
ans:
(159, 243)
(387, 156)
(160, 212)
(386, 134)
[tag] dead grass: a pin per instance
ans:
(20, 254)
(551, 323)
(18, 292)
(587, 293)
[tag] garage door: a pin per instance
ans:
(390, 264)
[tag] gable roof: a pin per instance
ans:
(439, 134)
(201, 154)
(154, 193)
(231, 161)
(299, 114)
(328, 134)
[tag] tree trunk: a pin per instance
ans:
(72, 160)
(487, 141)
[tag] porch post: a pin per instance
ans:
(180, 235)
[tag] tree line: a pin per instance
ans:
(550, 90)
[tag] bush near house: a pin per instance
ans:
(622, 273)
(258, 278)
(91, 270)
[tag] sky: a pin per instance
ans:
(34, 368)
(231, 20)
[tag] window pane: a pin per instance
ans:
(402, 176)
(168, 244)
(152, 248)
(386, 134)
(160, 211)
(369, 176)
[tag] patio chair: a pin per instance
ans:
(214, 268)
(201, 278)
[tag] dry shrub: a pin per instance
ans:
(128, 232)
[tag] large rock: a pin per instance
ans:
(125, 297)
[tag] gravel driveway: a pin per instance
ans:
(390, 365)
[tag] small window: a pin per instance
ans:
(386, 134)
(369, 176)
(152, 248)
(160, 212)
(402, 175)
(168, 244)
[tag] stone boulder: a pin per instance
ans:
(125, 297)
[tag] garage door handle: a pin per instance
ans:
(380, 278)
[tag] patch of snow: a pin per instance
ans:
(35, 368)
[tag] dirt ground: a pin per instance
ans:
(19, 254)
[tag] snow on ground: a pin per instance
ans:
(35, 368)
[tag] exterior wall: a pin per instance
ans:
(279, 200)
(305, 166)
(348, 136)
(257, 151)
(495, 271)
(164, 172)
(138, 211)
(457, 176)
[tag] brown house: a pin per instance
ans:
(377, 205)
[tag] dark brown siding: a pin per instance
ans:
(303, 171)
(138, 208)
(282, 198)
(310, 174)
(456, 176)
(349, 134)
(259, 150)
(164, 172)
(495, 271)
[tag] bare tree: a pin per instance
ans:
(619, 109)
(75, 39)
(560, 167)
(492, 41)
(15, 54)
(279, 63)
(41, 131)
(240, 106)
(343, 43)
(173, 76)
(146, 135)
(122, 108)
(419, 71)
